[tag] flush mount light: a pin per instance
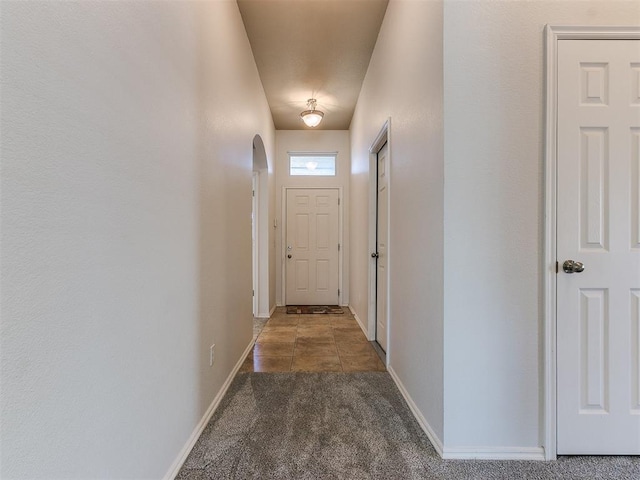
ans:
(311, 117)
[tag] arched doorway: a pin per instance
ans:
(260, 229)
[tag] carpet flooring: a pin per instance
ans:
(347, 426)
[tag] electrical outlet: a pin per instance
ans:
(212, 354)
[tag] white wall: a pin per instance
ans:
(126, 230)
(404, 82)
(493, 71)
(312, 141)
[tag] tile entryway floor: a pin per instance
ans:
(312, 343)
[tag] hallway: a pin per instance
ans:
(128, 174)
(312, 343)
(348, 426)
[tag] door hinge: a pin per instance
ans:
(338, 200)
(253, 293)
(338, 292)
(253, 193)
(557, 269)
(338, 247)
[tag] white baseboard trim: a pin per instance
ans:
(433, 438)
(267, 315)
(465, 453)
(494, 453)
(362, 327)
(184, 453)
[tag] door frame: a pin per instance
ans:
(261, 170)
(283, 238)
(553, 35)
(384, 136)
(255, 208)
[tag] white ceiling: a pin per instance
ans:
(312, 48)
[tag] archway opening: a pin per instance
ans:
(260, 230)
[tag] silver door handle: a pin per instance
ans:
(375, 255)
(571, 266)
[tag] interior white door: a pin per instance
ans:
(312, 247)
(598, 215)
(382, 236)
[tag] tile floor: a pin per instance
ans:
(311, 343)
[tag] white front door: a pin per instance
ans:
(382, 235)
(312, 247)
(598, 309)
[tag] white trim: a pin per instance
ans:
(465, 453)
(197, 431)
(579, 32)
(433, 438)
(283, 238)
(362, 327)
(384, 136)
(549, 257)
(268, 314)
(494, 453)
(255, 247)
(553, 35)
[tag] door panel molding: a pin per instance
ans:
(283, 238)
(553, 35)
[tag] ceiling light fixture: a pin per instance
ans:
(311, 117)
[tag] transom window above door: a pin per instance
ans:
(312, 164)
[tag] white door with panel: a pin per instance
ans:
(382, 236)
(598, 247)
(312, 246)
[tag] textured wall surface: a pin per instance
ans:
(404, 82)
(126, 233)
(494, 131)
(313, 141)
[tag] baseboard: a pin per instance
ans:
(184, 453)
(267, 315)
(466, 453)
(362, 327)
(493, 453)
(433, 438)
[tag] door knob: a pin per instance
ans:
(289, 256)
(571, 266)
(375, 255)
